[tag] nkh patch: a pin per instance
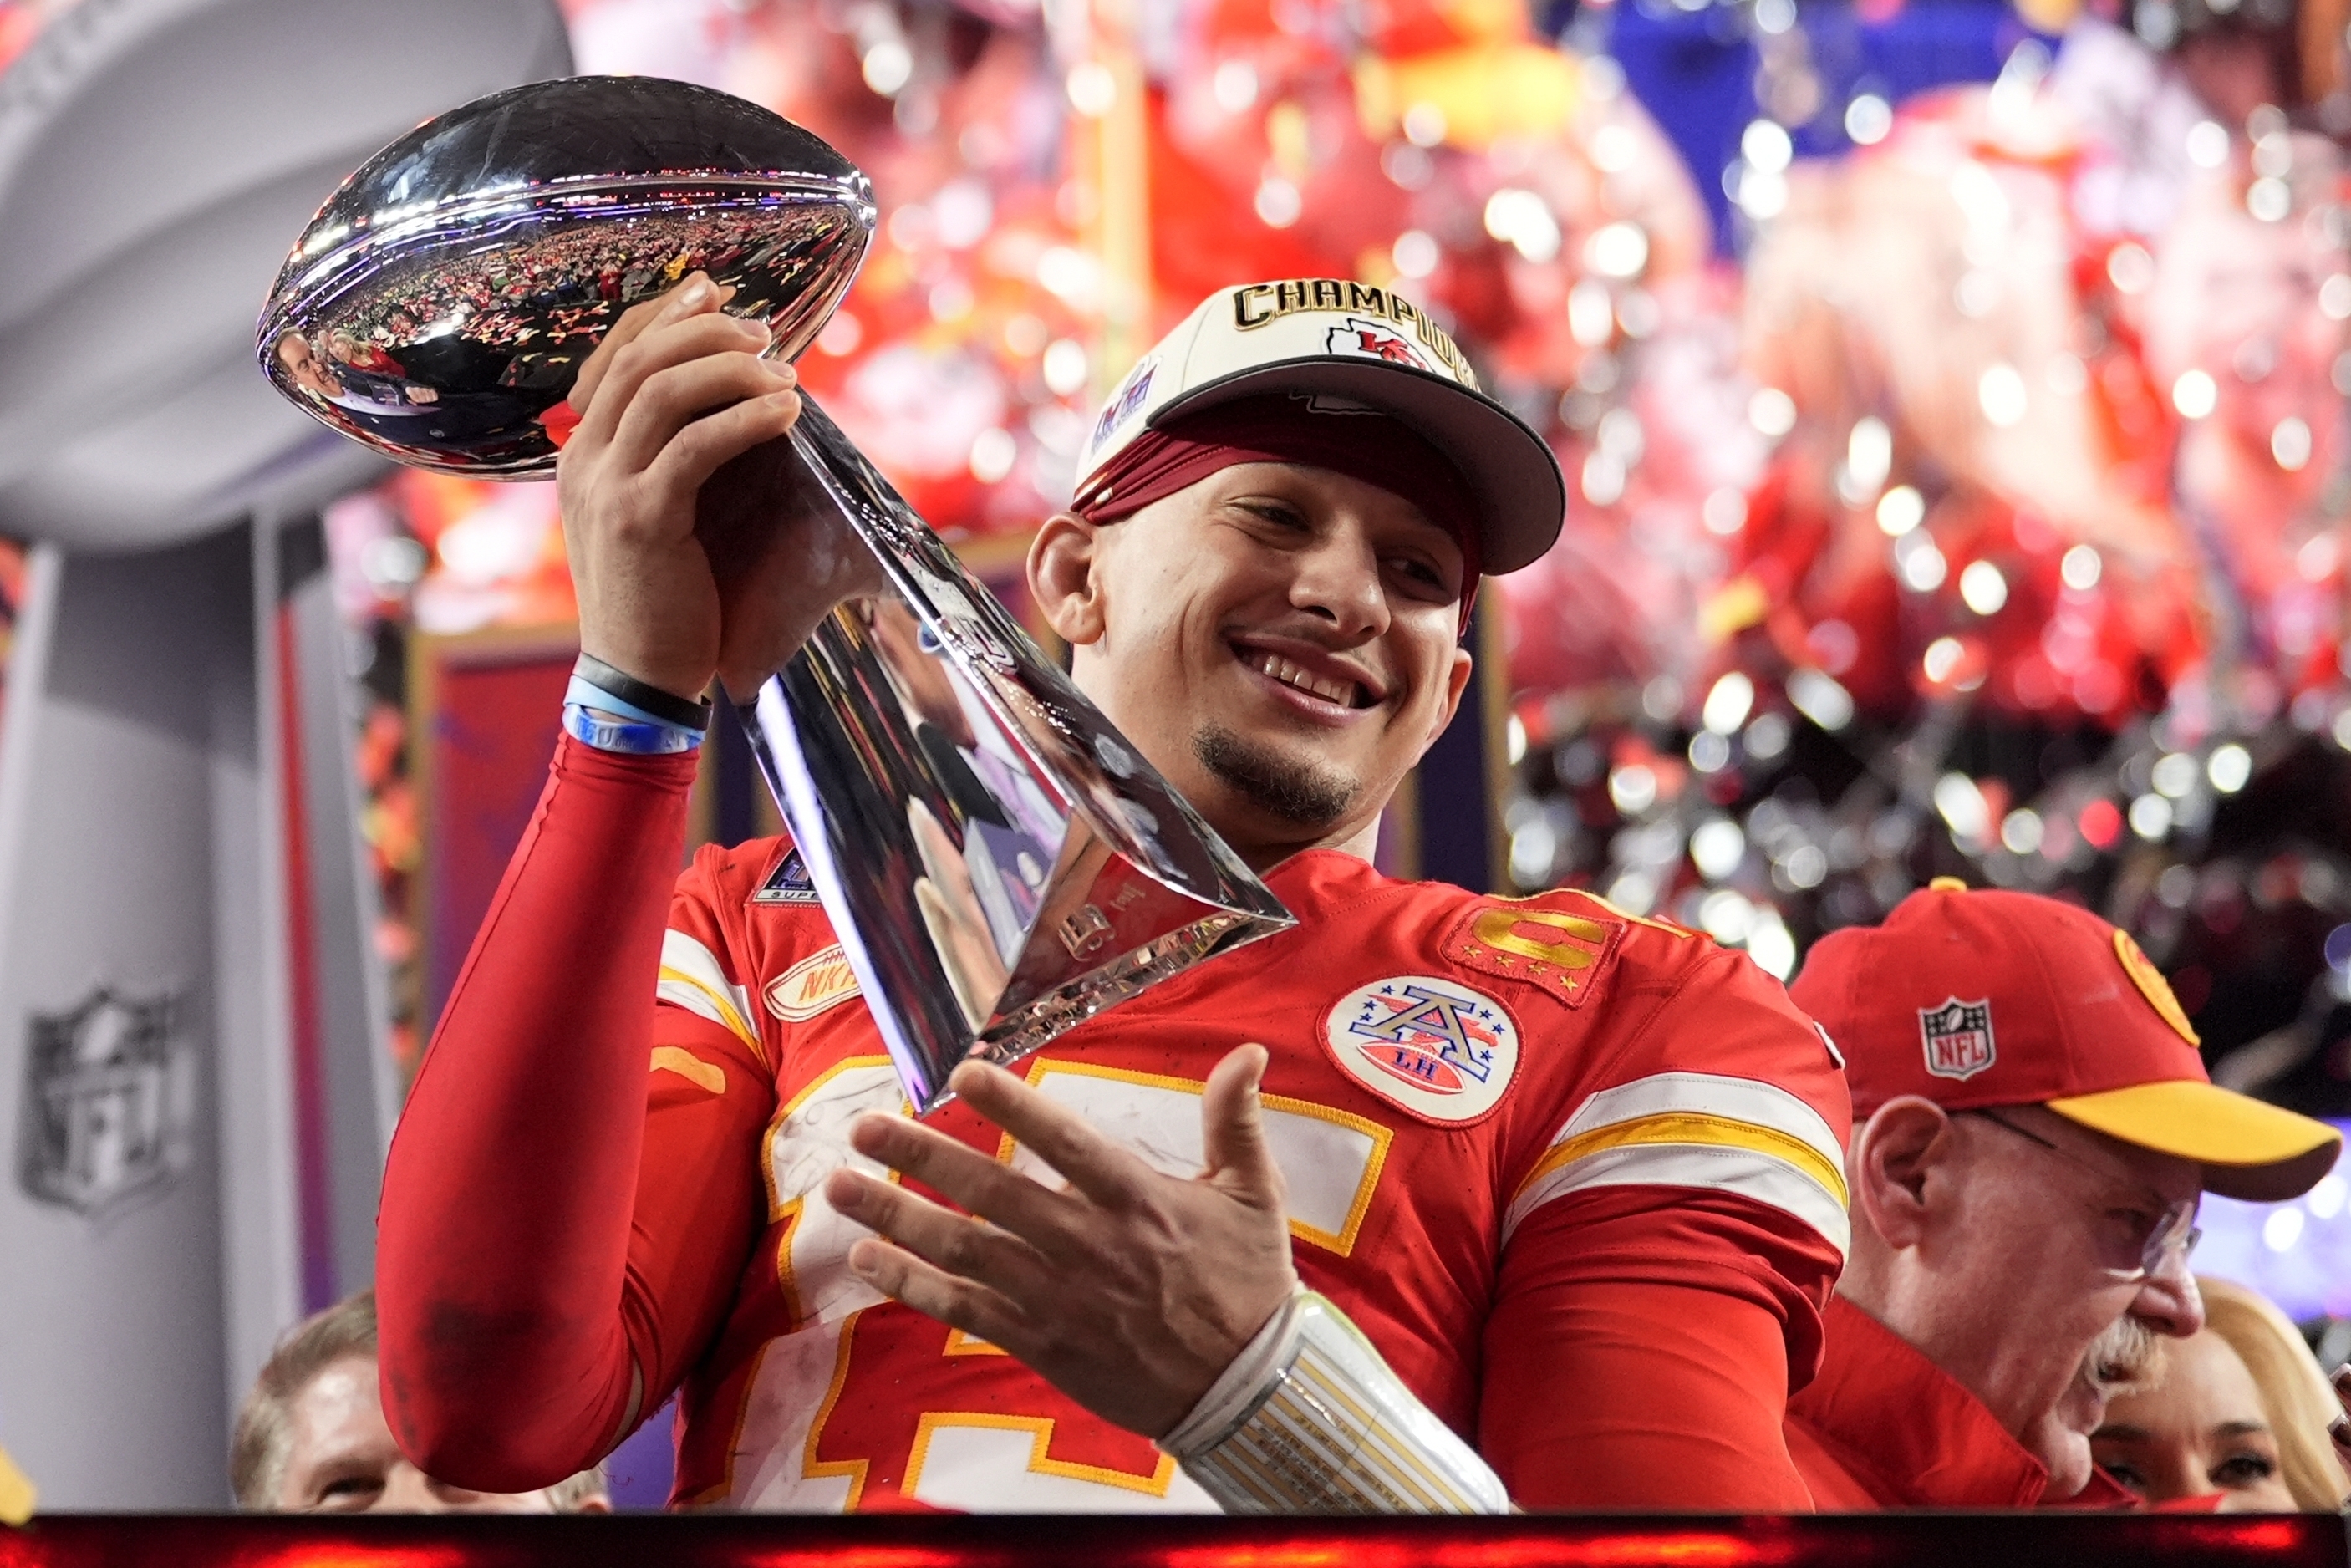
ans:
(788, 884)
(1958, 1038)
(1430, 1046)
(810, 985)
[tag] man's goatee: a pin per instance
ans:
(1295, 792)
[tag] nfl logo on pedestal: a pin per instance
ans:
(107, 1104)
(1958, 1038)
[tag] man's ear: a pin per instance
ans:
(1062, 579)
(1900, 1169)
(1456, 681)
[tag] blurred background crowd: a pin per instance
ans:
(1955, 397)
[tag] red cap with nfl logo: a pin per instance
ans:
(1975, 999)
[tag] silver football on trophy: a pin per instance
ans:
(999, 861)
(442, 302)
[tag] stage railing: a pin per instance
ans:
(1915, 1541)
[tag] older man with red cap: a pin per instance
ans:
(2033, 1129)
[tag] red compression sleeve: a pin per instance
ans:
(1629, 1418)
(504, 1231)
(1638, 1356)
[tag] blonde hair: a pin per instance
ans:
(263, 1441)
(2300, 1403)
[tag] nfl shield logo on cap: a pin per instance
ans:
(1958, 1038)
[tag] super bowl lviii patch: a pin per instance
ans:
(1122, 404)
(788, 884)
(1958, 1038)
(1429, 1046)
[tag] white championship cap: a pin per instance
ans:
(1323, 337)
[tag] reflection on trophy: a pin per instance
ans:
(999, 861)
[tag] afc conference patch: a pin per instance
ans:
(1431, 1047)
(1958, 1038)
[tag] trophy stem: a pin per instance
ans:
(998, 863)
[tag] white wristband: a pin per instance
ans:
(1241, 1388)
(1309, 1419)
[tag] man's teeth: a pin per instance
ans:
(1289, 674)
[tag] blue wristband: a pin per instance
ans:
(608, 732)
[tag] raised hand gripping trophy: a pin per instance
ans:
(999, 861)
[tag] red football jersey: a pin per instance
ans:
(1467, 1096)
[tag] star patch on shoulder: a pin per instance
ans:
(1430, 1046)
(788, 882)
(1564, 952)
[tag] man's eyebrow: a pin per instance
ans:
(336, 1458)
(1261, 499)
(1433, 529)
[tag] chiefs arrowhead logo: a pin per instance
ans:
(1365, 339)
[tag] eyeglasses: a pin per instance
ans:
(2173, 1232)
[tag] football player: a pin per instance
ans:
(1571, 1174)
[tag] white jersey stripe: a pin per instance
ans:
(1706, 1095)
(1697, 1129)
(1762, 1177)
(691, 977)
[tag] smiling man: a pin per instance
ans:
(1571, 1172)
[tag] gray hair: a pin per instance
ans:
(263, 1441)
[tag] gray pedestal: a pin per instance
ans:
(194, 1100)
(189, 1062)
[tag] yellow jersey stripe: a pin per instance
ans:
(1686, 1127)
(715, 1006)
(687, 1065)
(1713, 1094)
(691, 977)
